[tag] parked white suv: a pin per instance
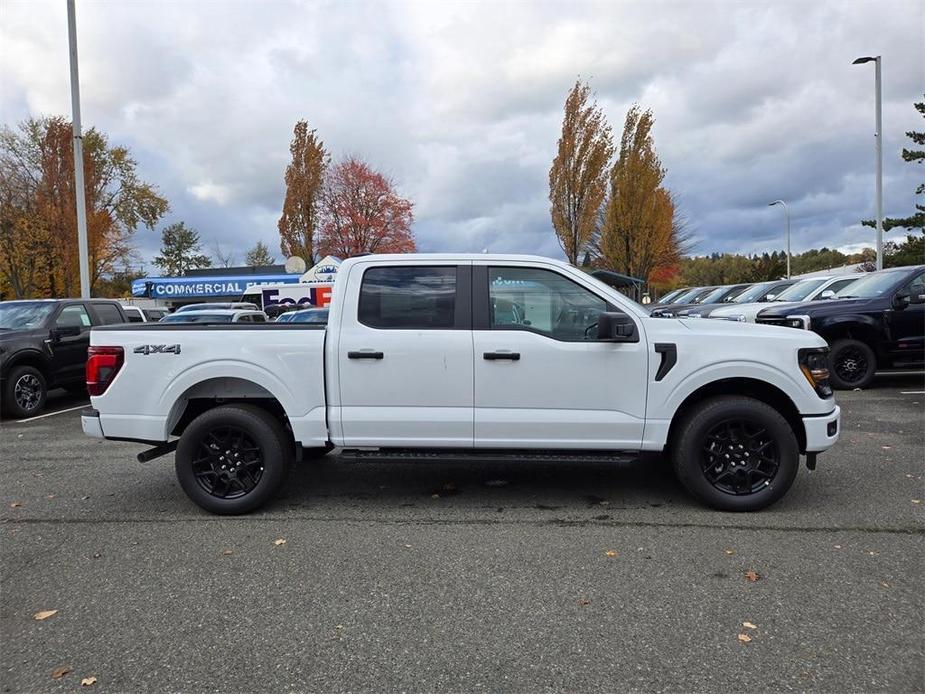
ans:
(812, 289)
(491, 357)
(216, 316)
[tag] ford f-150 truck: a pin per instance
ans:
(454, 356)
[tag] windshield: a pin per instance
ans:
(871, 286)
(715, 296)
(318, 316)
(686, 297)
(753, 293)
(800, 290)
(669, 297)
(197, 317)
(22, 315)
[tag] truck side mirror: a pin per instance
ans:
(616, 327)
(917, 299)
(827, 294)
(901, 300)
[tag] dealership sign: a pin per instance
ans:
(180, 287)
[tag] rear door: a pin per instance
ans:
(404, 356)
(541, 378)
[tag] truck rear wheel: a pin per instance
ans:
(233, 459)
(852, 364)
(735, 454)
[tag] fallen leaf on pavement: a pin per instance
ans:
(227, 553)
(60, 672)
(751, 576)
(50, 496)
(279, 542)
(434, 496)
(16, 504)
(407, 546)
(749, 625)
(44, 614)
(88, 681)
(884, 584)
(837, 546)
(730, 551)
(744, 638)
(916, 501)
(584, 602)
(610, 553)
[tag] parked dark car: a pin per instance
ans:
(43, 345)
(717, 296)
(874, 323)
(763, 291)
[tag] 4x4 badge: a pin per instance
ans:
(157, 349)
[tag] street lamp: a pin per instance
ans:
(879, 145)
(787, 210)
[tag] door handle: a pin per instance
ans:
(495, 356)
(365, 355)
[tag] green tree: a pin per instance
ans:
(180, 251)
(908, 252)
(578, 176)
(259, 255)
(916, 156)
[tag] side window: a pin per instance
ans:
(916, 287)
(541, 301)
(108, 314)
(133, 316)
(408, 298)
(73, 316)
(244, 319)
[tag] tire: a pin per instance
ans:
(852, 364)
(765, 455)
(24, 392)
(248, 473)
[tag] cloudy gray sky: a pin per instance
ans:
(461, 104)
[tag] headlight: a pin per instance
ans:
(814, 363)
(801, 322)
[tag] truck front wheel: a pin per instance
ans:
(852, 364)
(233, 459)
(735, 453)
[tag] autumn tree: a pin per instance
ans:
(578, 176)
(259, 256)
(181, 250)
(38, 213)
(300, 220)
(641, 230)
(363, 213)
(916, 156)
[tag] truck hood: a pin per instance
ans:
(762, 336)
(751, 308)
(817, 308)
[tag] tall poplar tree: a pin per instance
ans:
(578, 177)
(301, 217)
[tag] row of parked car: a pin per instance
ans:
(871, 321)
(43, 343)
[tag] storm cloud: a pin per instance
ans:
(461, 103)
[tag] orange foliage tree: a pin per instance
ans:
(301, 216)
(363, 213)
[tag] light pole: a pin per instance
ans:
(787, 210)
(879, 147)
(78, 157)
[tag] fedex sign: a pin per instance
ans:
(318, 296)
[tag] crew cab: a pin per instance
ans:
(43, 345)
(454, 356)
(876, 322)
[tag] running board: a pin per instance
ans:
(502, 455)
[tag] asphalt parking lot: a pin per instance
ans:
(452, 577)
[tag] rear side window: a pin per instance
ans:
(133, 315)
(408, 298)
(74, 315)
(108, 314)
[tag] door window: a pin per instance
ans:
(541, 301)
(836, 287)
(408, 298)
(74, 315)
(916, 287)
(108, 314)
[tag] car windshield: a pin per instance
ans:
(22, 315)
(197, 317)
(687, 296)
(715, 296)
(800, 290)
(753, 293)
(316, 316)
(670, 296)
(871, 286)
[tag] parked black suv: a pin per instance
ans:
(874, 323)
(43, 345)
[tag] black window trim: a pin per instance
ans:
(481, 301)
(462, 308)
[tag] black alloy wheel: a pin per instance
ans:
(27, 392)
(852, 364)
(740, 457)
(229, 464)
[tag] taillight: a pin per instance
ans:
(103, 363)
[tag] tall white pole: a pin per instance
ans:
(78, 157)
(879, 137)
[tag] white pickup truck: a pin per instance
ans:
(454, 356)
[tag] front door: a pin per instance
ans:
(69, 352)
(404, 357)
(541, 378)
(907, 325)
